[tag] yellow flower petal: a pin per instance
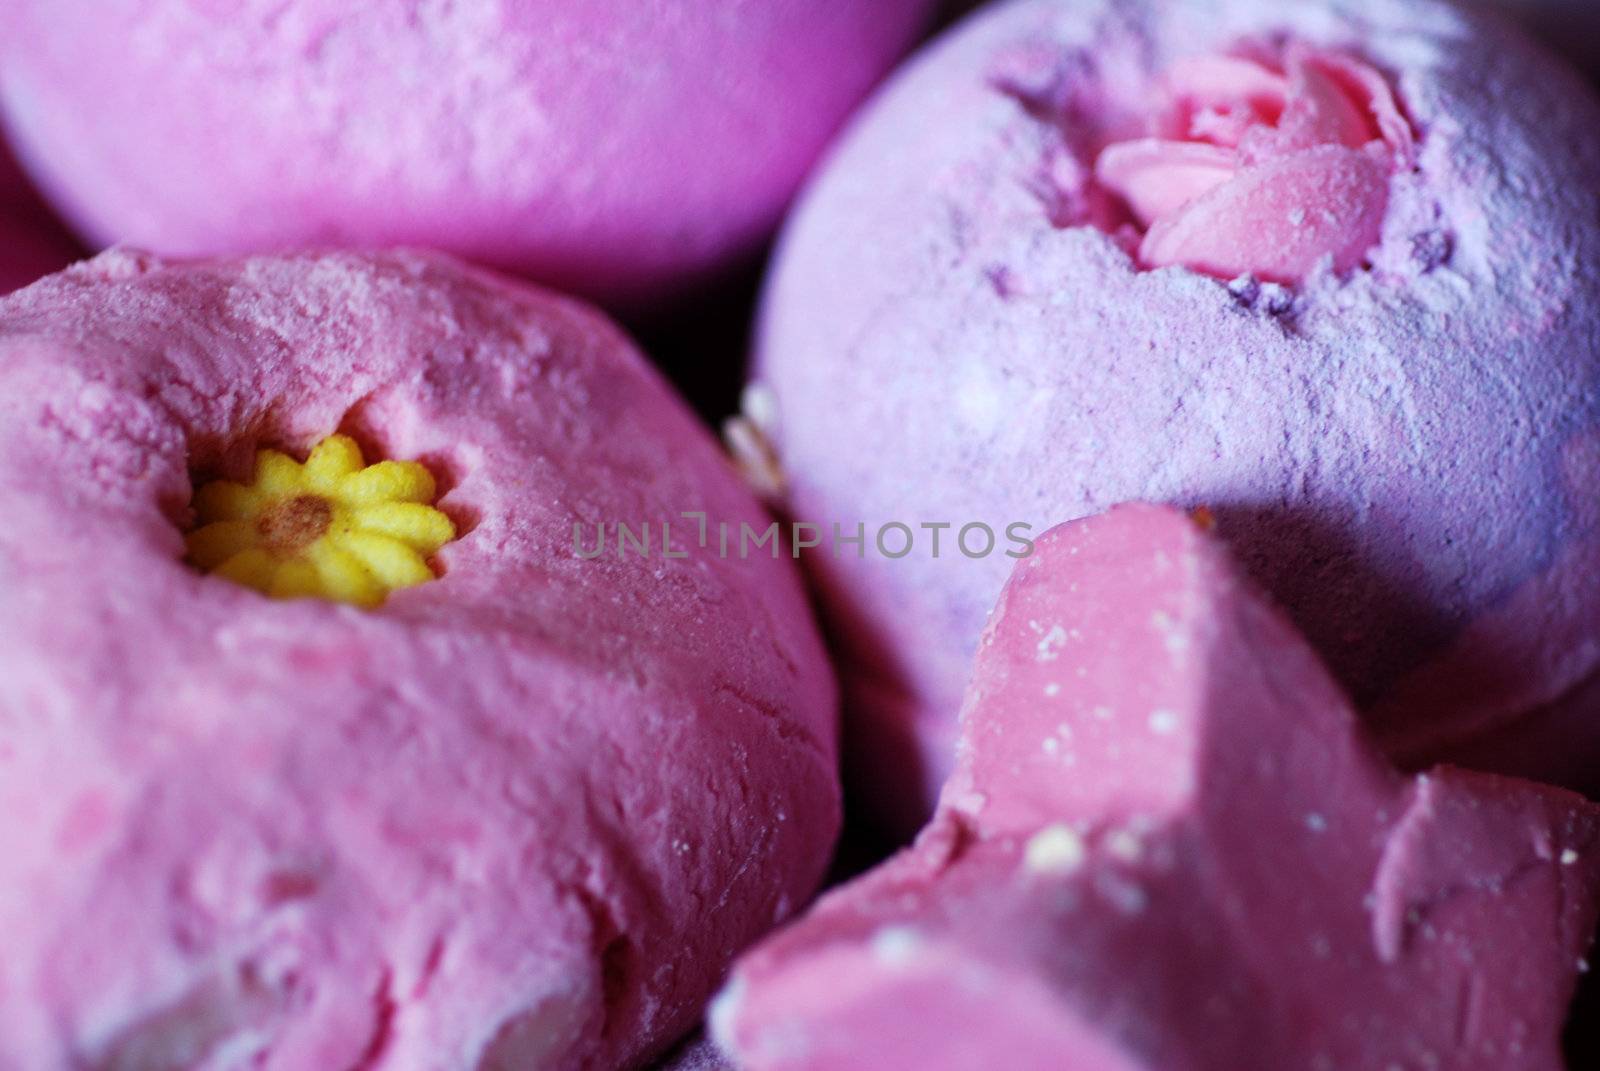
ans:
(329, 529)
(422, 528)
(224, 500)
(334, 458)
(278, 474)
(343, 576)
(297, 579)
(388, 481)
(394, 564)
(253, 568)
(214, 544)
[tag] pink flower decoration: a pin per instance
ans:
(1258, 168)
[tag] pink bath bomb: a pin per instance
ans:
(1329, 270)
(32, 243)
(613, 147)
(520, 816)
(1168, 846)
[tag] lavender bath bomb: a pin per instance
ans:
(609, 146)
(504, 808)
(1329, 269)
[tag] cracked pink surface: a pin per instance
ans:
(1169, 846)
(611, 147)
(519, 816)
(1393, 449)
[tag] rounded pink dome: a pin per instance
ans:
(518, 816)
(1372, 354)
(612, 147)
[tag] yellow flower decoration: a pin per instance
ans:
(333, 528)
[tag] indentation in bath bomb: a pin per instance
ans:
(332, 528)
(1264, 162)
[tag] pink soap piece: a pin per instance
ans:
(32, 244)
(1388, 432)
(521, 816)
(1169, 847)
(618, 148)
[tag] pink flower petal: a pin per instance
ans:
(1263, 169)
(1158, 177)
(1279, 217)
(1364, 83)
(1219, 98)
(1219, 78)
(1321, 110)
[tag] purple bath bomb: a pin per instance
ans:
(1168, 846)
(966, 325)
(609, 146)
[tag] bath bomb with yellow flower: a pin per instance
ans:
(333, 528)
(320, 744)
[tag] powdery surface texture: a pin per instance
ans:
(610, 146)
(1168, 846)
(1405, 455)
(521, 816)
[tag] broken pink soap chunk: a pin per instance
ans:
(518, 817)
(1169, 846)
(1263, 168)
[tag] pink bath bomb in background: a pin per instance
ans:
(1169, 845)
(1326, 268)
(613, 147)
(521, 815)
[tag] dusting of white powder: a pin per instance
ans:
(1056, 849)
